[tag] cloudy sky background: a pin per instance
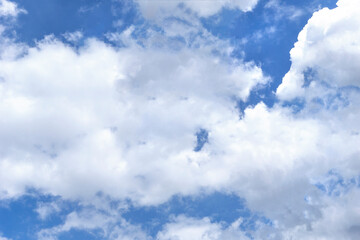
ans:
(179, 120)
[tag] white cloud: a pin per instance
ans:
(73, 36)
(284, 11)
(184, 228)
(340, 220)
(324, 73)
(79, 123)
(153, 8)
(109, 225)
(8, 8)
(329, 45)
(44, 210)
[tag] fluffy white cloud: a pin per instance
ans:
(112, 120)
(152, 8)
(184, 228)
(8, 8)
(328, 47)
(73, 36)
(106, 224)
(340, 219)
(324, 75)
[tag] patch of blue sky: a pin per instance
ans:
(76, 234)
(93, 18)
(201, 138)
(309, 76)
(17, 218)
(20, 220)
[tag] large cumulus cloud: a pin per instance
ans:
(105, 119)
(328, 46)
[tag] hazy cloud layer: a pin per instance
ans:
(155, 8)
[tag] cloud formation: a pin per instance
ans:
(327, 46)
(9, 9)
(107, 112)
(183, 228)
(153, 8)
(121, 120)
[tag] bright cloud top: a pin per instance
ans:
(71, 108)
(8, 8)
(327, 46)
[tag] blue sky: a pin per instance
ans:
(179, 120)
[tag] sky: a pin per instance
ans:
(179, 119)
